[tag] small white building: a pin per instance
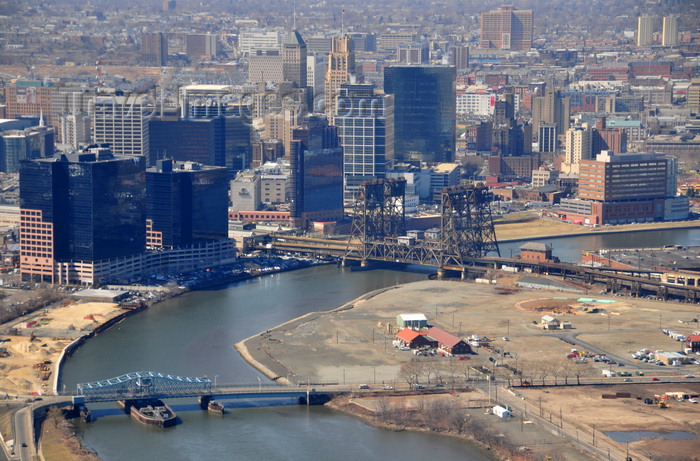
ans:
(501, 412)
(412, 321)
(549, 323)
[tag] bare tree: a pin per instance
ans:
(542, 370)
(384, 409)
(457, 419)
(411, 371)
(431, 368)
(580, 369)
(567, 369)
(556, 368)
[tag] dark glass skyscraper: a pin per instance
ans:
(316, 173)
(424, 112)
(88, 207)
(187, 203)
(216, 141)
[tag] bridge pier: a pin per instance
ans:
(365, 263)
(662, 293)
(690, 296)
(637, 289)
(441, 273)
(203, 401)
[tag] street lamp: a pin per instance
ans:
(215, 376)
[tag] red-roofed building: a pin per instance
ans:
(692, 342)
(413, 339)
(449, 343)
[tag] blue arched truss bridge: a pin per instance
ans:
(144, 385)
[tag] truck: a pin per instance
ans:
(608, 373)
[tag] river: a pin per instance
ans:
(194, 334)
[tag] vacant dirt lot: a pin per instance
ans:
(53, 330)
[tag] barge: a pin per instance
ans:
(215, 407)
(152, 412)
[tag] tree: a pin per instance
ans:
(541, 370)
(556, 369)
(581, 369)
(384, 409)
(411, 371)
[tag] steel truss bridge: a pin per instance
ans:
(467, 242)
(379, 229)
(143, 385)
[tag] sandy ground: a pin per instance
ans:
(354, 345)
(30, 366)
(528, 225)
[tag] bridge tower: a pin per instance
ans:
(378, 215)
(467, 225)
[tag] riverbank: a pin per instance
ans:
(522, 226)
(447, 414)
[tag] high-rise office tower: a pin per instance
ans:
(89, 207)
(316, 179)
(425, 101)
(186, 203)
(413, 53)
(506, 29)
(613, 140)
(693, 97)
(212, 138)
(122, 122)
(551, 109)
(365, 129)
(459, 57)
(645, 30)
(29, 97)
(154, 49)
(547, 135)
(669, 36)
(200, 46)
(70, 104)
(511, 142)
(74, 129)
(29, 143)
(341, 65)
(578, 146)
(316, 73)
(294, 60)
(169, 5)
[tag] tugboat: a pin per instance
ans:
(215, 407)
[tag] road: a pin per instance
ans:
(24, 446)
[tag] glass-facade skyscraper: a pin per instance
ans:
(187, 203)
(424, 112)
(365, 129)
(316, 179)
(89, 206)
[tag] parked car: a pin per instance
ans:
(654, 379)
(364, 386)
(627, 380)
(388, 388)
